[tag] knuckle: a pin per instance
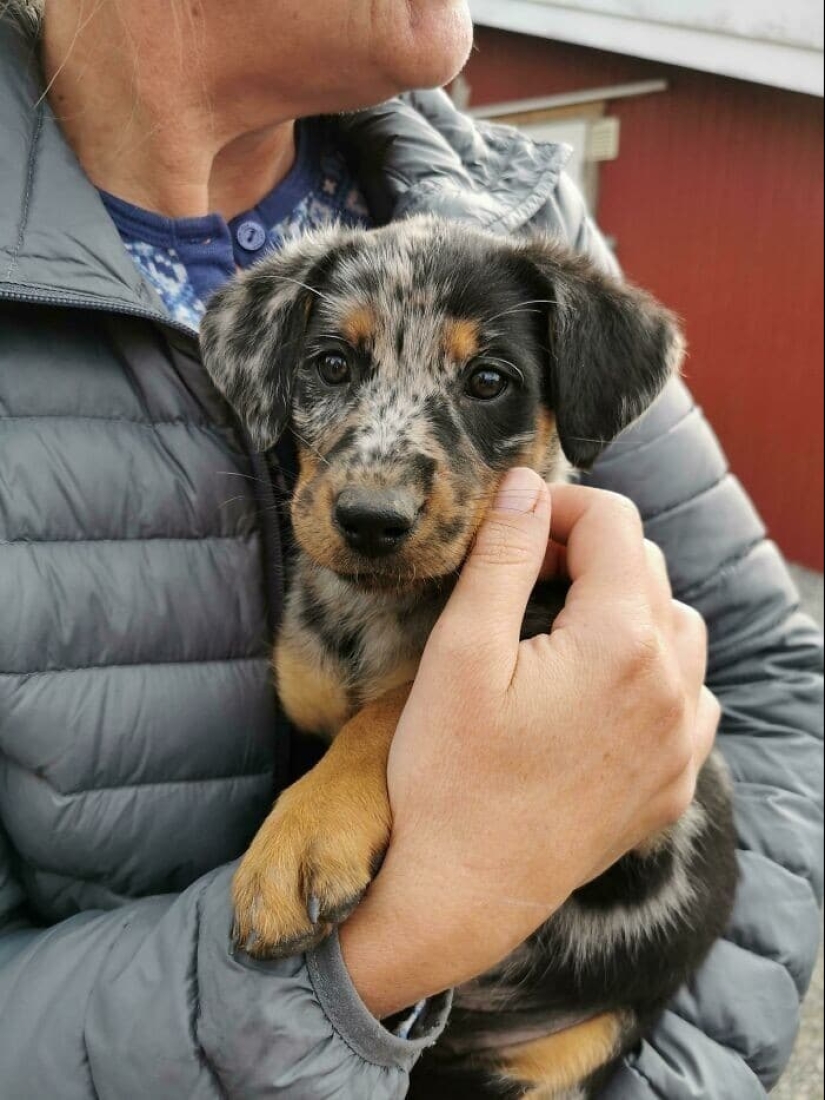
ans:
(679, 798)
(650, 667)
(714, 710)
(690, 620)
(642, 649)
(680, 757)
(709, 717)
(678, 764)
(656, 555)
(671, 697)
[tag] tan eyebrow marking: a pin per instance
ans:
(460, 339)
(359, 325)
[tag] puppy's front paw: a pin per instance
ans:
(309, 865)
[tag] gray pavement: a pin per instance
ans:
(805, 1077)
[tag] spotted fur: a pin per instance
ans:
(415, 365)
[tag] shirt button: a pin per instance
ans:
(251, 236)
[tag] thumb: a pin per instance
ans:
(491, 596)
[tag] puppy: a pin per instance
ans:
(414, 365)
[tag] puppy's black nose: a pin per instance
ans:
(375, 522)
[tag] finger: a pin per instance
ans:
(555, 562)
(708, 716)
(604, 539)
(490, 598)
(661, 593)
(690, 640)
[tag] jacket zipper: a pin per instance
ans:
(105, 305)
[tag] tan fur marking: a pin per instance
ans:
(536, 454)
(311, 694)
(461, 339)
(482, 507)
(545, 431)
(321, 840)
(308, 463)
(449, 501)
(360, 325)
(561, 1061)
(312, 523)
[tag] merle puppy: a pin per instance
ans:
(414, 365)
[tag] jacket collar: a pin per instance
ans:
(56, 239)
(418, 155)
(413, 155)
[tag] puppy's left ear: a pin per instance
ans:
(612, 350)
(252, 332)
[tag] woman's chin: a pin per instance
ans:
(434, 46)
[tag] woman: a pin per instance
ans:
(146, 151)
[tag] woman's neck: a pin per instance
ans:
(144, 123)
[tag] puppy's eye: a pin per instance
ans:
(334, 368)
(486, 383)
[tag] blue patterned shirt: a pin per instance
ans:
(187, 259)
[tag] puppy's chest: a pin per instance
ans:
(340, 649)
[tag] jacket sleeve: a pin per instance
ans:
(148, 1001)
(730, 1035)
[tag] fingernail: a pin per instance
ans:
(519, 491)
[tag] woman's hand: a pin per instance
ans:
(521, 771)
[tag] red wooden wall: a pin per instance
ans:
(716, 203)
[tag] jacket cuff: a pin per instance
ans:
(355, 1024)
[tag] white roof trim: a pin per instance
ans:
(569, 99)
(780, 64)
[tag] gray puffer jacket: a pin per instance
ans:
(139, 740)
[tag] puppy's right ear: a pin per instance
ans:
(253, 328)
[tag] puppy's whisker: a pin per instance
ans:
(310, 448)
(237, 473)
(520, 308)
(513, 312)
(281, 496)
(304, 286)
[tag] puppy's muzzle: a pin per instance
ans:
(375, 522)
